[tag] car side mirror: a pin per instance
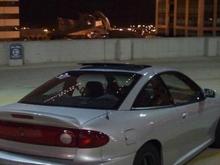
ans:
(209, 93)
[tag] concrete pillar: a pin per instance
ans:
(157, 15)
(201, 11)
(215, 16)
(187, 18)
(167, 19)
(175, 17)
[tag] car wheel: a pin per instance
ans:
(216, 144)
(147, 155)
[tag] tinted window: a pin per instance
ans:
(181, 88)
(85, 89)
(153, 94)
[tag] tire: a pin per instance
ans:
(216, 144)
(147, 155)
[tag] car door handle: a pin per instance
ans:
(184, 115)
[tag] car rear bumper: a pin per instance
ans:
(9, 158)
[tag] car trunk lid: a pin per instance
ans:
(23, 129)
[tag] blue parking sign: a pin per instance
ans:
(16, 51)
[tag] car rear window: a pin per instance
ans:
(84, 89)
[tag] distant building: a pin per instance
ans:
(188, 17)
(9, 19)
(27, 33)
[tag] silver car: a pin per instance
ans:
(111, 114)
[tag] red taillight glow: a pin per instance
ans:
(52, 136)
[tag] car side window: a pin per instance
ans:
(182, 89)
(154, 94)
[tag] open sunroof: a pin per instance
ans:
(118, 66)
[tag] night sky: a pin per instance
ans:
(40, 13)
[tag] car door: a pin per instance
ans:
(189, 103)
(155, 107)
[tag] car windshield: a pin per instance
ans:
(84, 89)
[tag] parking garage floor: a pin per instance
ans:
(15, 82)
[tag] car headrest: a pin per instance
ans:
(94, 89)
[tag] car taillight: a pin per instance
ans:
(52, 136)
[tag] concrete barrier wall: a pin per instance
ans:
(213, 47)
(112, 49)
(63, 51)
(169, 47)
(4, 51)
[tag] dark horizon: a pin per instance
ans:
(33, 13)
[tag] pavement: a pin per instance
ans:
(15, 82)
